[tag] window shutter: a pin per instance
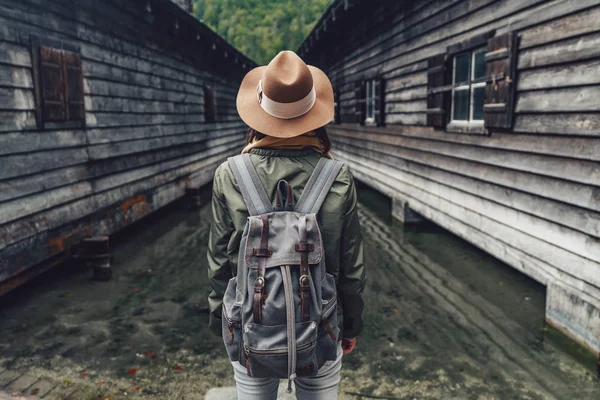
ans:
(74, 92)
(380, 102)
(360, 94)
(53, 86)
(436, 93)
(500, 90)
(209, 105)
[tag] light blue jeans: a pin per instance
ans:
(324, 386)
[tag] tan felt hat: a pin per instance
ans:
(285, 98)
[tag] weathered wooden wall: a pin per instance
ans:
(145, 139)
(531, 196)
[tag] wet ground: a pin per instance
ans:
(443, 320)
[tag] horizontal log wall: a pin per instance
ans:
(145, 139)
(531, 196)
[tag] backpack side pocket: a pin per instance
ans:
(328, 332)
(232, 322)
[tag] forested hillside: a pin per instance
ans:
(261, 28)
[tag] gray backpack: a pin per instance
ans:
(280, 311)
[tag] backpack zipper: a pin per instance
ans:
(230, 324)
(278, 351)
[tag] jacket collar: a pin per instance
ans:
(282, 153)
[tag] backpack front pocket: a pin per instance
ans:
(266, 350)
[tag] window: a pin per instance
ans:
(209, 105)
(370, 102)
(468, 93)
(59, 77)
(471, 87)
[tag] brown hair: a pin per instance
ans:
(321, 133)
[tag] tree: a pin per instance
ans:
(261, 28)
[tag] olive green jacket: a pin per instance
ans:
(338, 222)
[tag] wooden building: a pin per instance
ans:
(109, 110)
(484, 117)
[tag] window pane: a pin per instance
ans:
(478, 100)
(369, 99)
(479, 71)
(462, 68)
(461, 105)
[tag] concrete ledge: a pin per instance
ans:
(576, 316)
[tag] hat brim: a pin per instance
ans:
(254, 116)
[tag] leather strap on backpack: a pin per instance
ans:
(304, 248)
(259, 284)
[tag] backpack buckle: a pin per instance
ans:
(304, 247)
(262, 252)
(259, 283)
(304, 281)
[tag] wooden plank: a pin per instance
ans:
(503, 16)
(531, 266)
(30, 163)
(114, 73)
(41, 387)
(14, 55)
(138, 146)
(81, 29)
(440, 34)
(573, 50)
(22, 383)
(22, 207)
(416, 93)
(62, 392)
(97, 87)
(36, 242)
(41, 181)
(21, 229)
(17, 77)
(8, 376)
(558, 213)
(569, 147)
(97, 136)
(583, 73)
(430, 30)
(419, 66)
(581, 195)
(418, 79)
(108, 104)
(559, 124)
(117, 119)
(18, 142)
(407, 119)
(566, 27)
(572, 170)
(582, 99)
(474, 198)
(418, 106)
(17, 121)
(213, 147)
(119, 164)
(547, 252)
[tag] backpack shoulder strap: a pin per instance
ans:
(253, 191)
(318, 186)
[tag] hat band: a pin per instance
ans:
(286, 110)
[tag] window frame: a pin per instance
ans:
(470, 125)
